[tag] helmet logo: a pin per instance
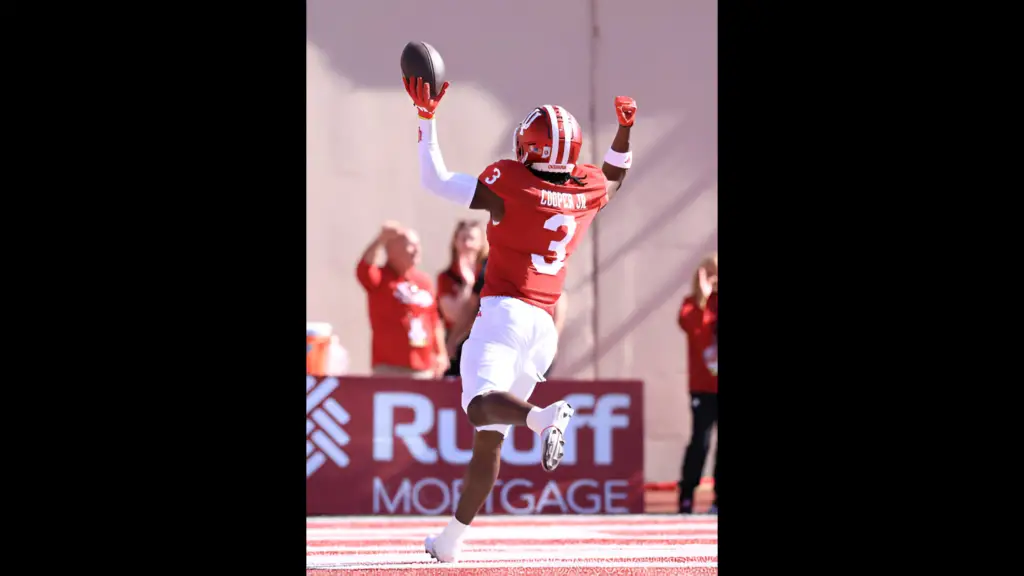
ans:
(529, 120)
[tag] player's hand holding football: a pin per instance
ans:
(419, 91)
(625, 110)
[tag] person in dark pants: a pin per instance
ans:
(698, 317)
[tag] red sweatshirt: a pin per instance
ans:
(698, 325)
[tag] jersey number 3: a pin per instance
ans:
(558, 247)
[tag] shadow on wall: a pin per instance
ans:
(664, 217)
(652, 301)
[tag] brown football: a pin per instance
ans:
(421, 60)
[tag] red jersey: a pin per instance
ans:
(403, 316)
(542, 226)
(701, 343)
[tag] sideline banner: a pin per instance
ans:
(397, 446)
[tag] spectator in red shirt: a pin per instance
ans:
(408, 339)
(455, 283)
(698, 317)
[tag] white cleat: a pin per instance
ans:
(553, 436)
(439, 555)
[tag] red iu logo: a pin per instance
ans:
(420, 138)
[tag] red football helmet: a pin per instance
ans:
(549, 140)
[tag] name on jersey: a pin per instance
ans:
(563, 200)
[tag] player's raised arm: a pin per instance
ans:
(619, 157)
(434, 175)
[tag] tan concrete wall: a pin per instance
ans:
(503, 59)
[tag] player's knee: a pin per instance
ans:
(475, 411)
(488, 443)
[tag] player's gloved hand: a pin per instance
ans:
(420, 94)
(625, 109)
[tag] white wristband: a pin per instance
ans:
(619, 159)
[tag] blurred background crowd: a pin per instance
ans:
(393, 273)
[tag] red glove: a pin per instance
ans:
(625, 109)
(420, 94)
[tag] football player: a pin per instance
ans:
(540, 206)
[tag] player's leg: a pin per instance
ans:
(550, 421)
(497, 408)
(480, 477)
(491, 359)
(498, 375)
(511, 339)
(529, 334)
(490, 363)
(481, 474)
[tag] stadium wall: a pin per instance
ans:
(631, 272)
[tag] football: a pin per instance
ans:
(421, 60)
